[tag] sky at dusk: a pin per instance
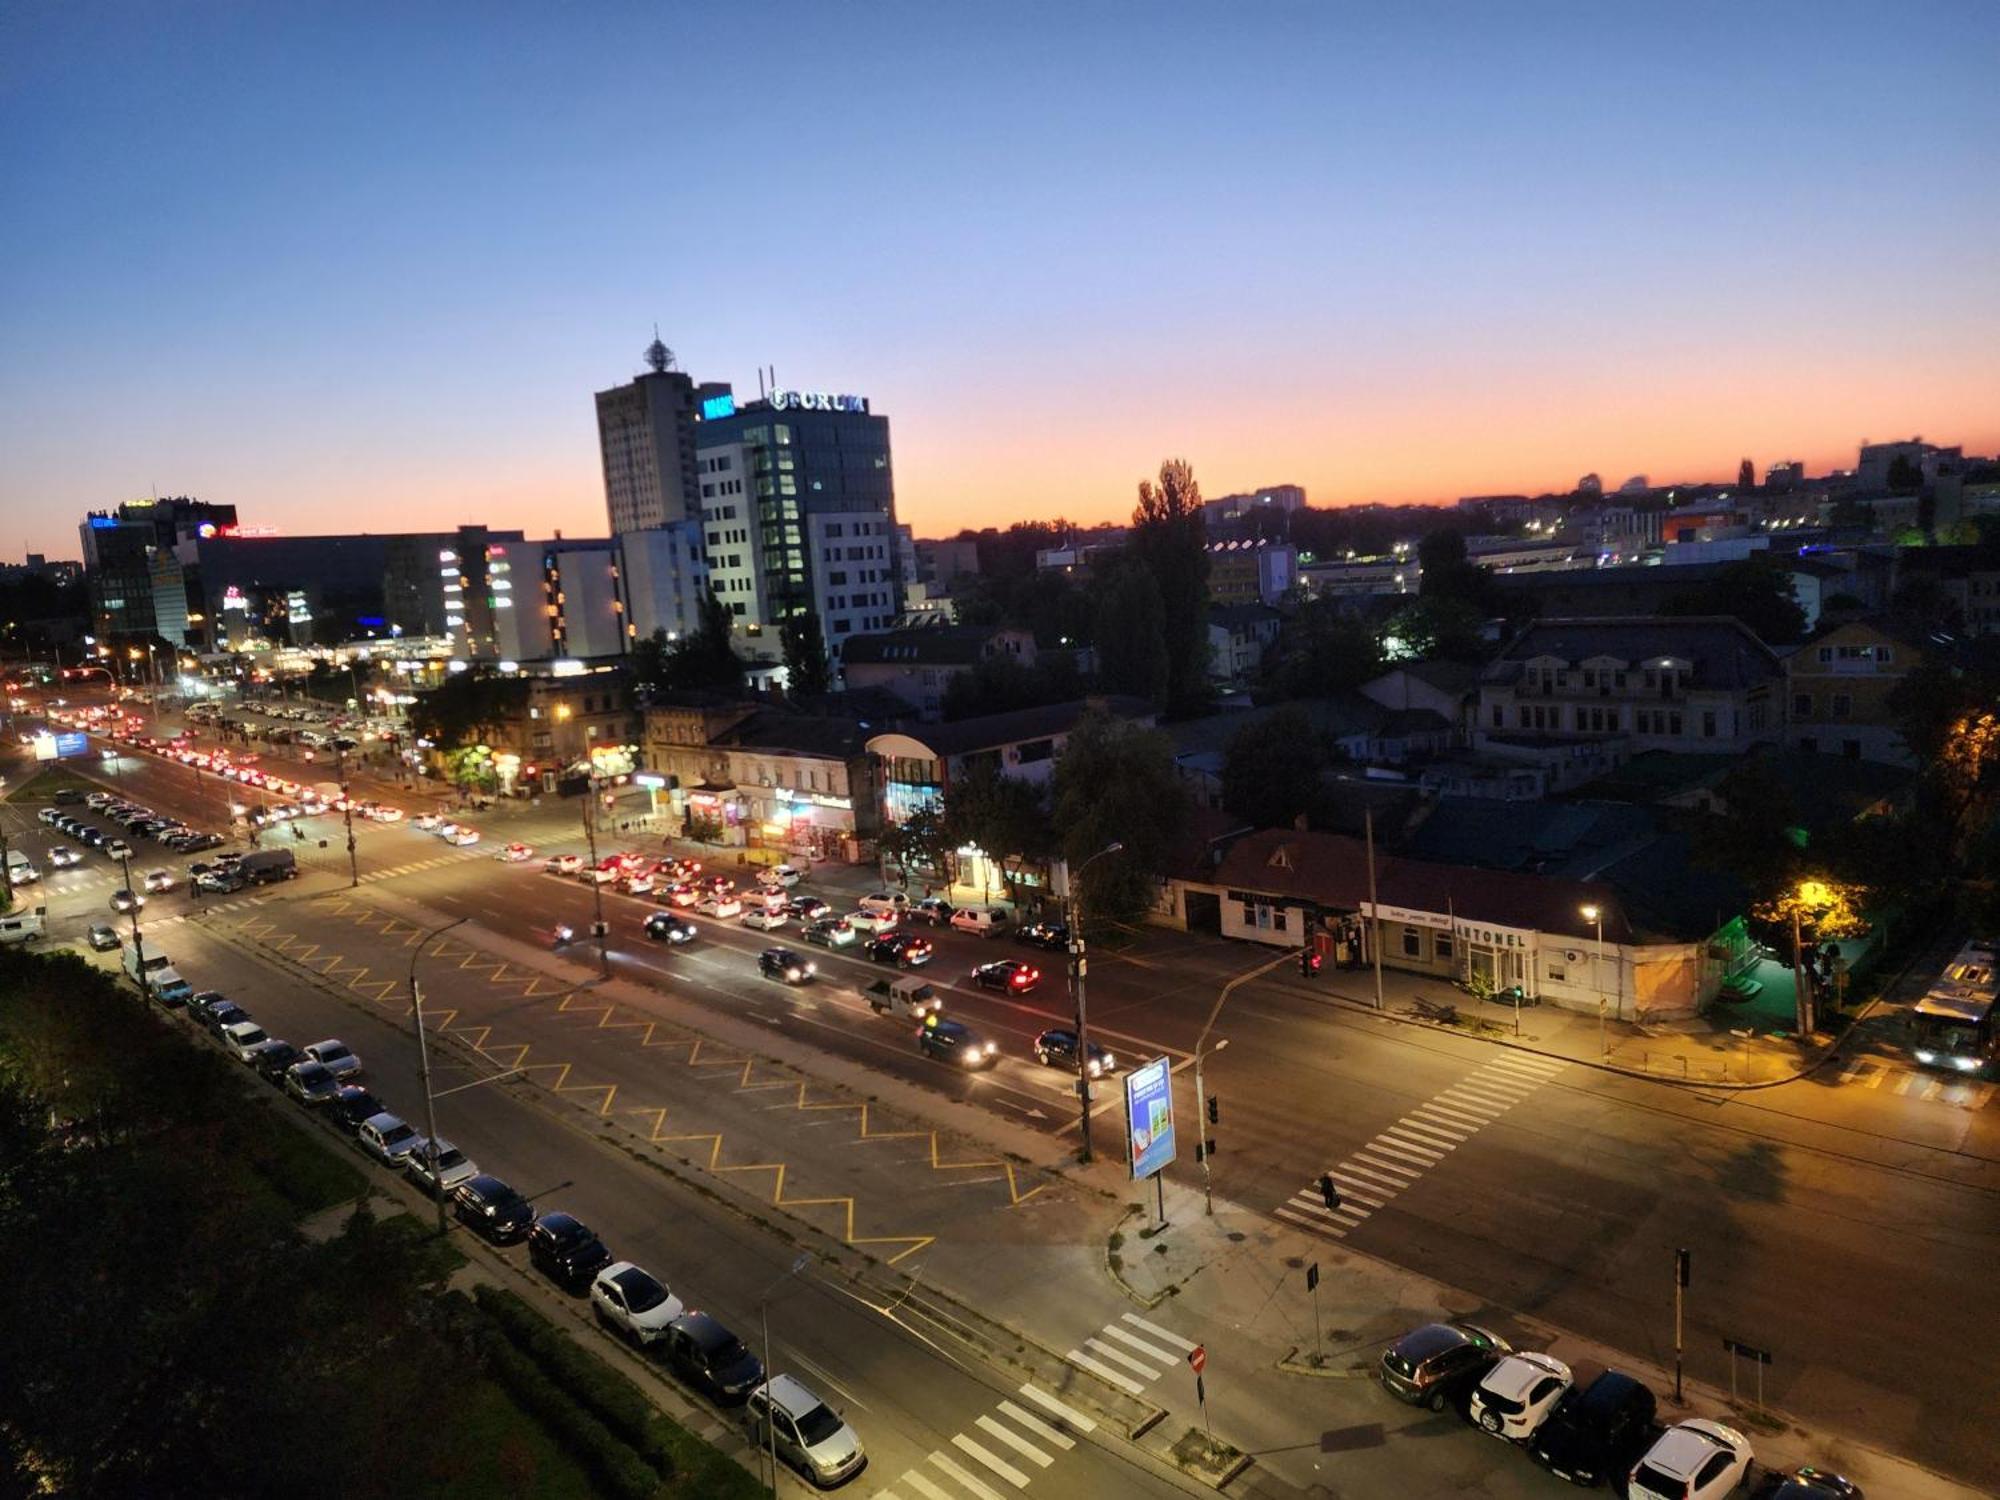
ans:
(356, 267)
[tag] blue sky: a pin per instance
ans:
(362, 267)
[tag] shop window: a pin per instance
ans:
(1413, 943)
(1441, 945)
(1558, 972)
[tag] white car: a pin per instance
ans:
(718, 904)
(516, 854)
(382, 813)
(1518, 1394)
(335, 1054)
(562, 864)
(867, 920)
(808, 1434)
(625, 1298)
(427, 822)
(159, 881)
(62, 857)
(243, 1038)
(438, 1171)
(1693, 1460)
(465, 838)
(885, 901)
(765, 918)
(117, 849)
(387, 1138)
(783, 877)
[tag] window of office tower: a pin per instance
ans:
(784, 434)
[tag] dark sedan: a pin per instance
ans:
(491, 1209)
(670, 927)
(1056, 1048)
(1011, 976)
(352, 1105)
(708, 1356)
(956, 1042)
(1050, 937)
(782, 963)
(566, 1250)
(904, 949)
(1596, 1432)
(1438, 1364)
(312, 1083)
(272, 1059)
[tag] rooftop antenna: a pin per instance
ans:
(659, 358)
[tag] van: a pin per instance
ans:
(986, 921)
(24, 926)
(20, 869)
(155, 961)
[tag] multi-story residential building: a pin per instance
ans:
(646, 437)
(1837, 687)
(1959, 586)
(1238, 637)
(1251, 572)
(918, 663)
(1877, 459)
(1647, 683)
(557, 724)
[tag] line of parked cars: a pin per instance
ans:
(1606, 1431)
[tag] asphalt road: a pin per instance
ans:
(1850, 1231)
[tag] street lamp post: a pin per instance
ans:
(1595, 914)
(423, 1046)
(1079, 966)
(1200, 1098)
(347, 808)
(138, 939)
(764, 1316)
(598, 929)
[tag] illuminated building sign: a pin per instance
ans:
(816, 401)
(715, 408)
(232, 598)
(102, 523)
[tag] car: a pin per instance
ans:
(243, 1038)
(462, 836)
(62, 857)
(221, 1014)
(1597, 1431)
(48, 815)
(273, 1060)
(680, 893)
(719, 904)
(200, 1003)
(980, 921)
(630, 1302)
(669, 927)
(388, 1138)
(516, 854)
(338, 1056)
(1438, 1363)
(1517, 1395)
(93, 837)
(830, 932)
(765, 918)
(956, 1042)
(1056, 1048)
(784, 877)
(807, 908)
(717, 883)
(872, 922)
(224, 879)
(1012, 976)
(804, 1431)
(117, 849)
(1807, 1483)
(103, 938)
(1693, 1460)
(604, 872)
(1050, 937)
(562, 864)
(934, 910)
(383, 813)
(565, 1250)
(904, 949)
(711, 1358)
(426, 822)
(636, 882)
(782, 963)
(438, 1168)
(159, 881)
(491, 1209)
(125, 900)
(893, 902)
(311, 1082)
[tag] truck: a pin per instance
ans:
(266, 866)
(906, 997)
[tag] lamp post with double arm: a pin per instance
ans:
(1079, 965)
(423, 1047)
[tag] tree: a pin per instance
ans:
(1905, 476)
(1756, 838)
(1746, 475)
(705, 659)
(1436, 629)
(1271, 769)
(1756, 591)
(1000, 684)
(1000, 815)
(1116, 782)
(807, 672)
(1321, 649)
(1446, 573)
(920, 842)
(648, 660)
(1132, 653)
(466, 708)
(1168, 536)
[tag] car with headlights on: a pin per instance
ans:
(782, 963)
(125, 901)
(159, 882)
(906, 950)
(670, 927)
(62, 857)
(1056, 1048)
(1011, 976)
(1050, 937)
(956, 1043)
(633, 1303)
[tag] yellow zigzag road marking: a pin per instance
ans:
(562, 1073)
(713, 1154)
(576, 995)
(519, 1049)
(441, 1020)
(607, 1024)
(609, 1090)
(916, 1242)
(483, 1033)
(383, 989)
(659, 1120)
(534, 987)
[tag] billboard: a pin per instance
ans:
(72, 743)
(1149, 1117)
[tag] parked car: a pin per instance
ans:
(711, 1358)
(634, 1304)
(1692, 1460)
(311, 1082)
(932, 909)
(956, 1042)
(1011, 976)
(1517, 1395)
(387, 1138)
(1807, 1483)
(438, 1168)
(1056, 1048)
(103, 939)
(806, 1432)
(273, 1060)
(351, 1106)
(904, 949)
(782, 963)
(1050, 937)
(980, 921)
(565, 1250)
(492, 1209)
(243, 1038)
(807, 908)
(667, 927)
(338, 1056)
(1438, 1363)
(1596, 1432)
(221, 1015)
(765, 919)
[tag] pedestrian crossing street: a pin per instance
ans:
(1372, 1177)
(1914, 1083)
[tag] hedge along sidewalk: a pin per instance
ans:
(631, 1447)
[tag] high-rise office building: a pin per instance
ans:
(645, 432)
(137, 584)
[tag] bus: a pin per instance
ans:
(1954, 1028)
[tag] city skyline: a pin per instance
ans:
(372, 291)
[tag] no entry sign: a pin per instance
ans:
(1198, 1359)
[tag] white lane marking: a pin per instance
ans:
(1043, 1399)
(978, 1487)
(1104, 1372)
(1112, 1330)
(1426, 1118)
(924, 1487)
(1539, 1072)
(1427, 1135)
(1381, 1165)
(1099, 1347)
(1301, 1220)
(1363, 1193)
(991, 1459)
(1015, 1441)
(1490, 1105)
(1037, 1426)
(1396, 1148)
(1505, 1087)
(1453, 1113)
(1166, 1336)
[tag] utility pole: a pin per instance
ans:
(424, 1053)
(1079, 968)
(6, 875)
(1801, 981)
(138, 939)
(347, 808)
(596, 886)
(1374, 909)
(1681, 1269)
(1200, 1049)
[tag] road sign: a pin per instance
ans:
(1762, 1356)
(1198, 1358)
(1149, 1117)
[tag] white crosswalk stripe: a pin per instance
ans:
(978, 1486)
(1057, 1409)
(992, 1460)
(1112, 1330)
(1118, 1356)
(1103, 1372)
(1166, 1336)
(925, 1488)
(1031, 1423)
(1014, 1440)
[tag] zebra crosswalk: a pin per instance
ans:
(1010, 1445)
(1372, 1177)
(1914, 1083)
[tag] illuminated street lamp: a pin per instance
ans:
(1595, 915)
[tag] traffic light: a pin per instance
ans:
(1328, 1191)
(1214, 1110)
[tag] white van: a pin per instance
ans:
(155, 961)
(24, 926)
(20, 869)
(986, 921)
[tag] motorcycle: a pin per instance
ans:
(563, 937)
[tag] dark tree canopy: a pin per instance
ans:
(1756, 591)
(1169, 538)
(1116, 782)
(1271, 769)
(1131, 633)
(807, 672)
